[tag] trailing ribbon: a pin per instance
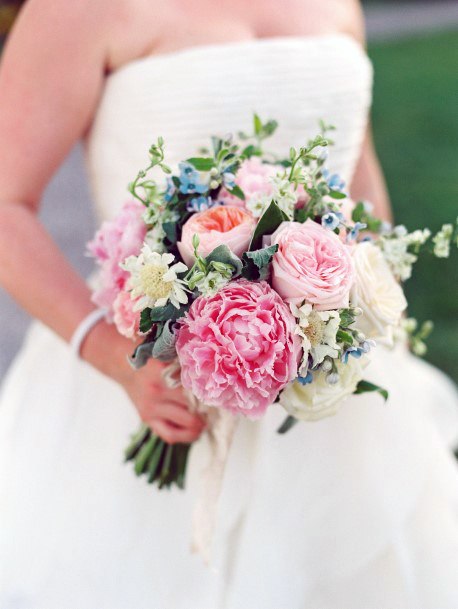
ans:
(221, 427)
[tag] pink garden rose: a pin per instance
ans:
(127, 320)
(253, 178)
(238, 349)
(221, 225)
(113, 243)
(311, 264)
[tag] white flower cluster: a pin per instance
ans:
(396, 249)
(442, 241)
(283, 194)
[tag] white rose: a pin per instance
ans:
(377, 292)
(319, 399)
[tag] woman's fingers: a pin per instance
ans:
(172, 434)
(179, 415)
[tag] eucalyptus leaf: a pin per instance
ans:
(256, 264)
(365, 387)
(224, 255)
(268, 224)
(164, 345)
(142, 354)
(202, 163)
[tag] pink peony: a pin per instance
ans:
(238, 349)
(253, 178)
(311, 264)
(113, 243)
(127, 320)
(222, 225)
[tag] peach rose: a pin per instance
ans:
(222, 225)
(311, 264)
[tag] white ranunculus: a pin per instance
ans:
(319, 398)
(376, 292)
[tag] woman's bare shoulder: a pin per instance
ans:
(120, 29)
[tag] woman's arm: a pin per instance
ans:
(368, 182)
(51, 77)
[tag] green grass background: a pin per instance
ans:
(415, 121)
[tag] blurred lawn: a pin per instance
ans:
(415, 120)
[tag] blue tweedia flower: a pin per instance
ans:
(170, 191)
(305, 380)
(229, 180)
(330, 221)
(353, 234)
(189, 180)
(353, 351)
(200, 203)
(334, 181)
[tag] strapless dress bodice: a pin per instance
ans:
(188, 95)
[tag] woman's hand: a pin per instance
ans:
(165, 410)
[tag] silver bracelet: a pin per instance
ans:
(83, 329)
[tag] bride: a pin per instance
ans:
(359, 511)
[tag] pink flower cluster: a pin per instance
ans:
(238, 349)
(113, 243)
(253, 178)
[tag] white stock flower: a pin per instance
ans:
(398, 257)
(320, 398)
(154, 238)
(317, 330)
(376, 292)
(282, 193)
(212, 283)
(153, 281)
(442, 241)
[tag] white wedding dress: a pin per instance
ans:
(358, 511)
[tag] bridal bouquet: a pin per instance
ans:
(259, 277)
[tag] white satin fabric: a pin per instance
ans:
(359, 511)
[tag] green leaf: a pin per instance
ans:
(164, 345)
(237, 192)
(250, 151)
(146, 322)
(365, 387)
(268, 224)
(170, 230)
(224, 255)
(344, 337)
(347, 318)
(336, 194)
(270, 127)
(169, 311)
(287, 424)
(202, 163)
(256, 264)
(257, 124)
(358, 212)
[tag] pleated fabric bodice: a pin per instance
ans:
(188, 95)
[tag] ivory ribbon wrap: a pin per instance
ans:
(221, 426)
